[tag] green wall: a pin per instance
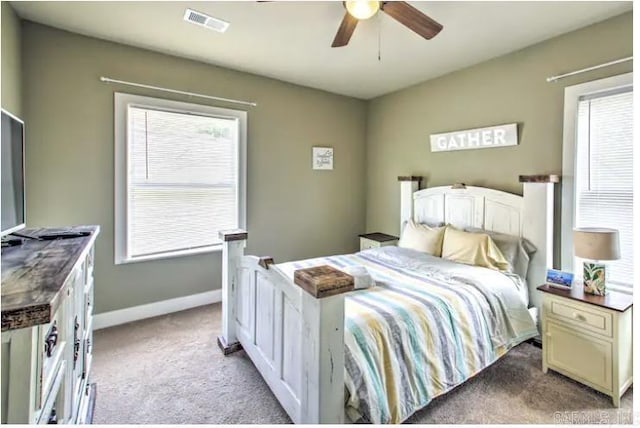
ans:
(293, 212)
(11, 70)
(508, 89)
(11, 89)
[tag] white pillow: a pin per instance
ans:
(423, 238)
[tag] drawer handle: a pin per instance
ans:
(51, 341)
(53, 417)
(76, 342)
(578, 316)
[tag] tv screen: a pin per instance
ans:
(12, 172)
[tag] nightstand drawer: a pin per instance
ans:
(366, 244)
(580, 356)
(376, 240)
(581, 316)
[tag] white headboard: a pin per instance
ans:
(529, 216)
(469, 207)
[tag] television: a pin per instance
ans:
(12, 174)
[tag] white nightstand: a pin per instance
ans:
(376, 240)
(589, 338)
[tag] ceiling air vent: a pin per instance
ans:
(203, 20)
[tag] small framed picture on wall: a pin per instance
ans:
(322, 158)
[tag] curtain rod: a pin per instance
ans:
(584, 70)
(175, 91)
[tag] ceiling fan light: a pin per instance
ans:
(362, 9)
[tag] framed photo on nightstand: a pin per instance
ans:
(559, 279)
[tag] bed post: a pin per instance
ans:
(322, 400)
(323, 355)
(408, 186)
(537, 223)
(233, 243)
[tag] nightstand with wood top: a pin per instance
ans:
(376, 240)
(589, 338)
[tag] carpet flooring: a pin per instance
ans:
(168, 370)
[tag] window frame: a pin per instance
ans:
(572, 96)
(121, 161)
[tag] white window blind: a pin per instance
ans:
(604, 174)
(181, 177)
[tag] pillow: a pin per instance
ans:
(426, 223)
(477, 249)
(516, 250)
(423, 238)
(361, 277)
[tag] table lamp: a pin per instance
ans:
(595, 244)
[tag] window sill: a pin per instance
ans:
(169, 255)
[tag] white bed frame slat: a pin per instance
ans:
(296, 341)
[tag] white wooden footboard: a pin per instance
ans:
(279, 326)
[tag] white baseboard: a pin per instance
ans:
(135, 313)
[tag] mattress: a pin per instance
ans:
(427, 326)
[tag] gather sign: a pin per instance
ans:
(481, 138)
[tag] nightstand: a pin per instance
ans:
(376, 240)
(589, 338)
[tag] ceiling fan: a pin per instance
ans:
(401, 11)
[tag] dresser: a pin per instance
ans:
(589, 338)
(47, 329)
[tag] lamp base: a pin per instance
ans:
(594, 278)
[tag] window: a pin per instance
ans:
(179, 177)
(602, 185)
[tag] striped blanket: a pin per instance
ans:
(427, 326)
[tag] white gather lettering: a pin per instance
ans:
(474, 138)
(486, 138)
(494, 136)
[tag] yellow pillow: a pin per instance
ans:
(476, 249)
(421, 237)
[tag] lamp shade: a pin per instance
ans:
(596, 243)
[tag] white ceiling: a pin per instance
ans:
(291, 41)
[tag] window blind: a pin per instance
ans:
(604, 175)
(182, 183)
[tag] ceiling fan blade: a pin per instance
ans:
(347, 26)
(412, 18)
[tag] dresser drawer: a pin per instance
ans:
(51, 348)
(580, 356)
(88, 303)
(580, 315)
(52, 411)
(88, 268)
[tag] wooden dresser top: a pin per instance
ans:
(35, 273)
(616, 301)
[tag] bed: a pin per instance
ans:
(380, 354)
